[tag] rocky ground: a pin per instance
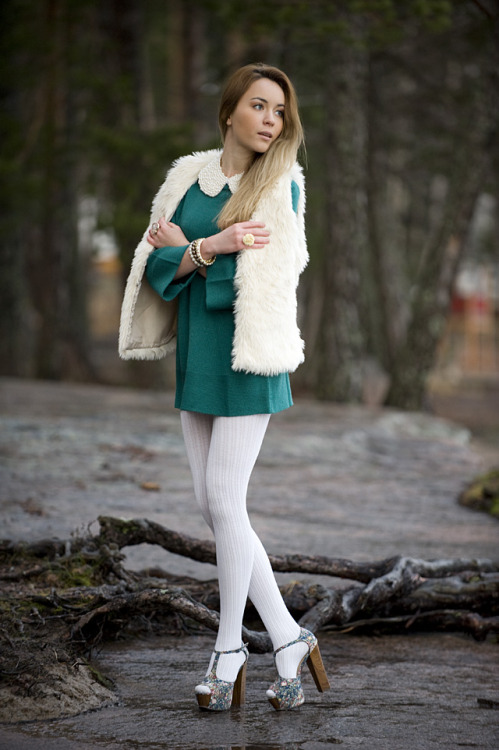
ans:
(339, 481)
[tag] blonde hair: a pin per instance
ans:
(265, 168)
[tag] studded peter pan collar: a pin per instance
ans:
(212, 180)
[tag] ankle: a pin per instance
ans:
(289, 660)
(229, 665)
(225, 664)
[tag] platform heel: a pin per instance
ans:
(219, 695)
(316, 666)
(287, 692)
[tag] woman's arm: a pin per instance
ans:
(228, 241)
(169, 234)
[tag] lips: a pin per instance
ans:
(266, 135)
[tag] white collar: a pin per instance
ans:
(212, 180)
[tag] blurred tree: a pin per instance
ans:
(389, 93)
(81, 116)
(340, 344)
(432, 124)
(410, 116)
(400, 109)
(43, 321)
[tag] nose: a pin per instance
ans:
(269, 117)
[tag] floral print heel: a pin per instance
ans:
(218, 695)
(286, 693)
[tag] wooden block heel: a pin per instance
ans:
(316, 666)
(203, 700)
(239, 693)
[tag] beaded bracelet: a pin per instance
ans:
(195, 254)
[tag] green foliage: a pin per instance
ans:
(98, 100)
(483, 493)
(384, 21)
(135, 165)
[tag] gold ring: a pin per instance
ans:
(154, 228)
(248, 239)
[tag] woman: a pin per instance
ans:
(228, 245)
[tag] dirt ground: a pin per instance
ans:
(342, 481)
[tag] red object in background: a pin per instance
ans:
(458, 304)
(475, 304)
(478, 304)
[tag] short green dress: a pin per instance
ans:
(206, 382)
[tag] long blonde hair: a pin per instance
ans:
(268, 167)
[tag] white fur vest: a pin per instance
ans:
(267, 340)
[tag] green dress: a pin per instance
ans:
(206, 382)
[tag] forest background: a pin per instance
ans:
(400, 103)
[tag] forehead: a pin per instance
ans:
(264, 88)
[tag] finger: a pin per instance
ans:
(256, 245)
(259, 237)
(254, 224)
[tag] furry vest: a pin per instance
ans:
(266, 340)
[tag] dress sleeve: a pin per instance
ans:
(220, 291)
(162, 265)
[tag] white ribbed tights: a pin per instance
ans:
(222, 452)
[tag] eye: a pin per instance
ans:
(280, 112)
(258, 106)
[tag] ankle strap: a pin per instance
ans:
(305, 637)
(234, 651)
(291, 643)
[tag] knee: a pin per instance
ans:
(225, 504)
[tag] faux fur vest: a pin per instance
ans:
(267, 340)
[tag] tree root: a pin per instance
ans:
(390, 595)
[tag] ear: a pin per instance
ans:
(229, 121)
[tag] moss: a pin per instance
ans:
(99, 677)
(483, 493)
(76, 572)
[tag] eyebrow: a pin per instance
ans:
(261, 99)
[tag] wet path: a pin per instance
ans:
(413, 692)
(331, 480)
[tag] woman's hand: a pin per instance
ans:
(167, 235)
(230, 240)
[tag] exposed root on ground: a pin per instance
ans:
(61, 599)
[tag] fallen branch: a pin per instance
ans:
(392, 593)
(43, 548)
(469, 622)
(168, 599)
(135, 531)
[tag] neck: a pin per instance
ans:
(235, 160)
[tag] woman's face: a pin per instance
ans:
(258, 118)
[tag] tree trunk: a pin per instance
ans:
(378, 309)
(340, 344)
(440, 259)
(57, 280)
